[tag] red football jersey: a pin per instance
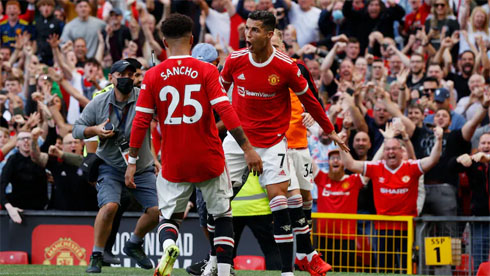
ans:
(261, 94)
(395, 191)
(338, 197)
(183, 90)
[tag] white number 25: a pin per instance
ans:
(187, 101)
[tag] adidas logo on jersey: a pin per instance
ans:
(241, 77)
(282, 172)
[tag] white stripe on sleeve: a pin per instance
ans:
(218, 100)
(145, 110)
(302, 92)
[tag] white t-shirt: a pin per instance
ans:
(74, 108)
(219, 24)
(470, 112)
(306, 23)
(464, 46)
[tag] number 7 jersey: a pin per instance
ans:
(182, 91)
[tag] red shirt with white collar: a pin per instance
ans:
(338, 197)
(395, 191)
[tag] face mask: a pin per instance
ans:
(337, 15)
(124, 85)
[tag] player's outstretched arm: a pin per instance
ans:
(315, 109)
(252, 158)
(350, 164)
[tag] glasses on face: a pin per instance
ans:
(334, 158)
(24, 139)
(427, 90)
(437, 5)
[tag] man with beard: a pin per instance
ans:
(466, 65)
(417, 70)
(440, 182)
(395, 186)
(338, 193)
(362, 146)
(476, 167)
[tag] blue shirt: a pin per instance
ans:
(9, 33)
(457, 121)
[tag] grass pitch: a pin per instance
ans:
(38, 270)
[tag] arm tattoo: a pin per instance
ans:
(239, 135)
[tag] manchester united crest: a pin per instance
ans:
(273, 79)
(64, 252)
(406, 178)
(345, 185)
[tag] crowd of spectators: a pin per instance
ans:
(383, 69)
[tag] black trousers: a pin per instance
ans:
(261, 227)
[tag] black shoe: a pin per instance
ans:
(95, 265)
(108, 259)
(197, 268)
(135, 251)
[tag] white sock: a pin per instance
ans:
(167, 243)
(224, 269)
(213, 259)
(300, 256)
(310, 256)
(287, 274)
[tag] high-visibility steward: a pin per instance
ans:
(251, 200)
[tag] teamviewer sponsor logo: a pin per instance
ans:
(335, 193)
(243, 92)
(394, 191)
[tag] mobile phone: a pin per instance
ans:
(45, 70)
(18, 111)
(350, 91)
(385, 46)
(3, 92)
(109, 126)
(396, 120)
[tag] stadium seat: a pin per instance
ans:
(13, 257)
(247, 262)
(484, 269)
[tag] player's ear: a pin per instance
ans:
(191, 42)
(165, 43)
(270, 34)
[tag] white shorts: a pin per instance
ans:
(301, 169)
(173, 197)
(274, 160)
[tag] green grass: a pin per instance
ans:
(37, 270)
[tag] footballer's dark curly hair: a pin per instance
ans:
(268, 19)
(176, 26)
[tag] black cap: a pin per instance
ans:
(117, 11)
(121, 65)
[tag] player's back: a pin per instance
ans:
(184, 89)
